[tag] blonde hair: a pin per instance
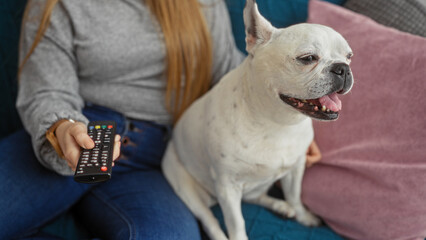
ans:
(188, 46)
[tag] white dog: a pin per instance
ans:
(254, 127)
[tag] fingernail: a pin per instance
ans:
(85, 146)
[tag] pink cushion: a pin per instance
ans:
(371, 182)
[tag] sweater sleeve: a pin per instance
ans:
(48, 84)
(226, 55)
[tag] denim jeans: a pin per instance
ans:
(136, 203)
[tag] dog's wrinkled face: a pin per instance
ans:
(304, 66)
(312, 69)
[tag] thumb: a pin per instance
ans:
(79, 132)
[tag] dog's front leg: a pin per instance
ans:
(292, 187)
(229, 197)
(277, 205)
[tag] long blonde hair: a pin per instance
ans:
(188, 46)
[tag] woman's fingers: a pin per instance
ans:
(117, 145)
(73, 136)
(313, 155)
(71, 151)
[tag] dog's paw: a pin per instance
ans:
(283, 208)
(308, 219)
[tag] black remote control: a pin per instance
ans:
(95, 164)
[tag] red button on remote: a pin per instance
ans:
(104, 169)
(110, 126)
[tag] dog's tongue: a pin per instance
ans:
(331, 102)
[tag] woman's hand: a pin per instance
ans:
(313, 154)
(72, 136)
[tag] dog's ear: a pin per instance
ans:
(258, 29)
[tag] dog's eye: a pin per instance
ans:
(308, 59)
(349, 56)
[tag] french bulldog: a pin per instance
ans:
(254, 127)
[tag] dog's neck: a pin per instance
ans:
(261, 104)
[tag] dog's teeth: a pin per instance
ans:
(316, 108)
(303, 100)
(323, 108)
(299, 104)
(311, 104)
(328, 110)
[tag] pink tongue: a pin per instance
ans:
(331, 102)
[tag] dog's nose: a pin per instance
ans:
(341, 69)
(343, 77)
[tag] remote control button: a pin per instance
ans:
(98, 127)
(91, 127)
(110, 126)
(104, 169)
(104, 126)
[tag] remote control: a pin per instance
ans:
(95, 164)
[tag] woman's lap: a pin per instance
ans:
(137, 205)
(138, 202)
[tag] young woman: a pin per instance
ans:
(138, 62)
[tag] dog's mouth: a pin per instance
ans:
(324, 108)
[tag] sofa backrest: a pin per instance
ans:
(10, 21)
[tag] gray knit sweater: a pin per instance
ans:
(107, 52)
